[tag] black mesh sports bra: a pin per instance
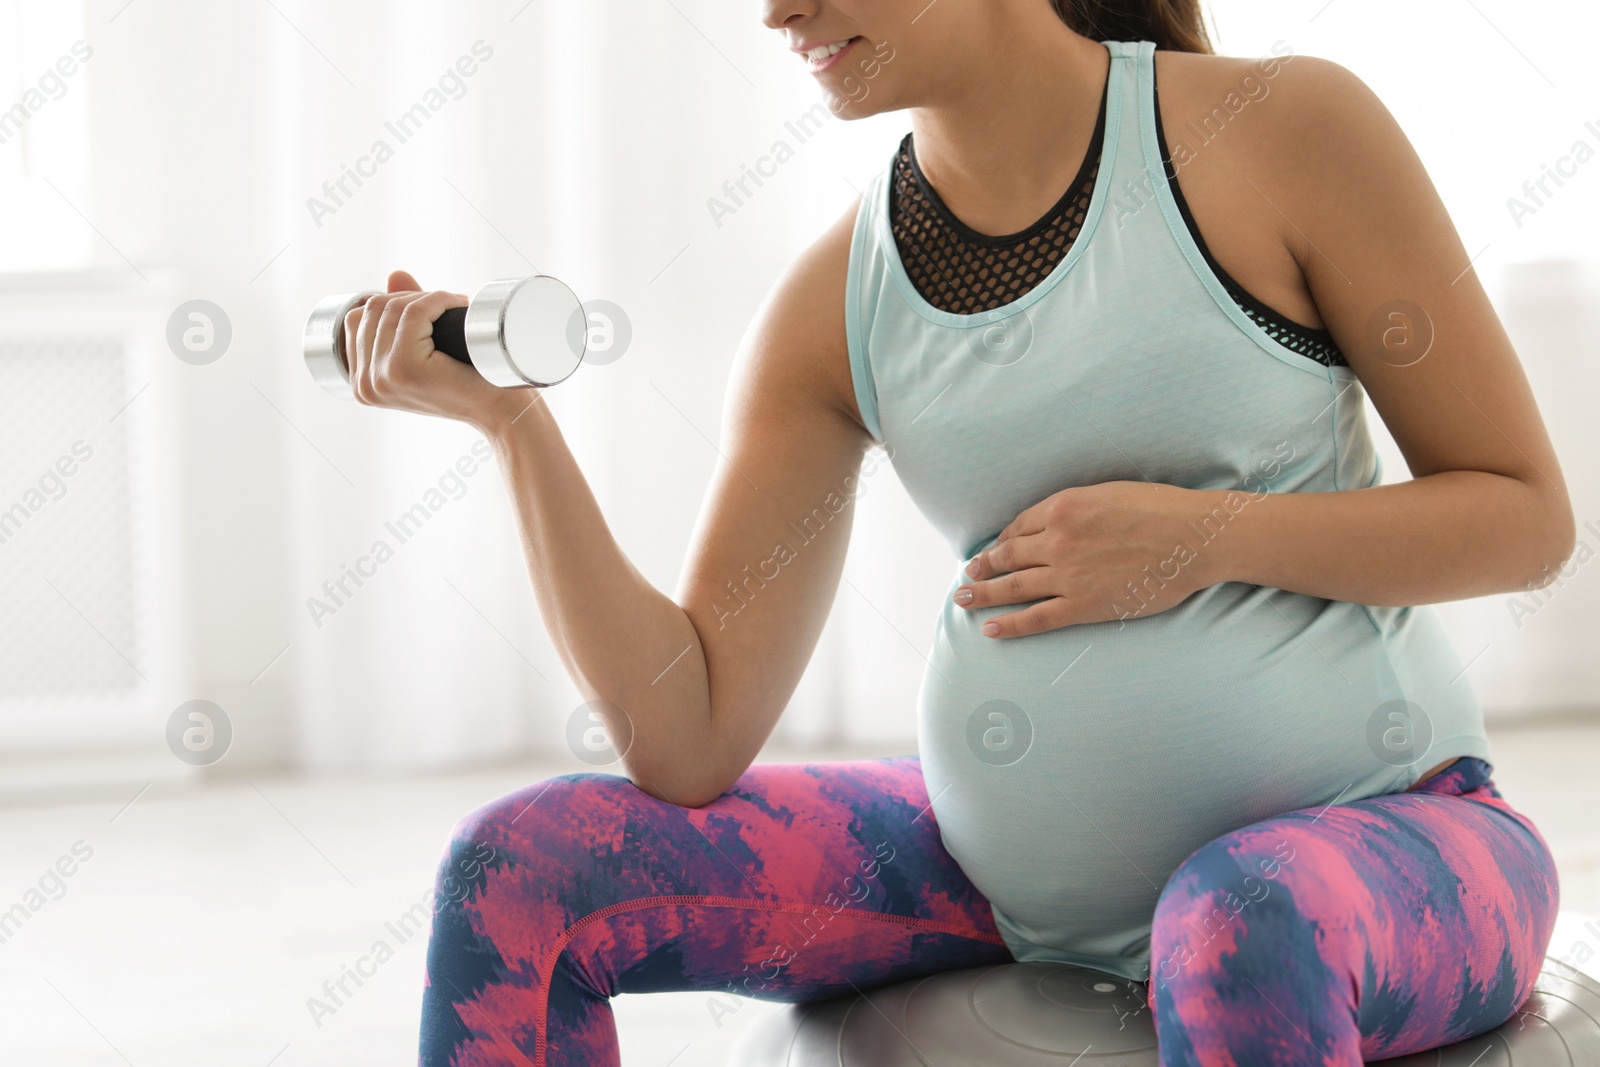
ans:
(957, 269)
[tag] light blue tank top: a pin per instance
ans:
(1071, 772)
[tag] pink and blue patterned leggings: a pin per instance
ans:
(1393, 924)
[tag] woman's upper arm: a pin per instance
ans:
(769, 547)
(1394, 283)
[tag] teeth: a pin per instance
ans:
(817, 55)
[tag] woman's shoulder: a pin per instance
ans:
(1252, 75)
(1280, 157)
(1280, 100)
(797, 346)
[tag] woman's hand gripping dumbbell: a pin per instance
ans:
(385, 349)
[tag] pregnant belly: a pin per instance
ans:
(1072, 771)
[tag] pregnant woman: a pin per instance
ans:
(1113, 309)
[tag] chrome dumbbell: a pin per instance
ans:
(515, 332)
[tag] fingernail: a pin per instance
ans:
(991, 629)
(974, 568)
(963, 596)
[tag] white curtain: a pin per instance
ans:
(587, 141)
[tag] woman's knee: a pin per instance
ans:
(1228, 899)
(537, 824)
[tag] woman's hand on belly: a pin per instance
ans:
(1117, 550)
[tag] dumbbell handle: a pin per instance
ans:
(450, 335)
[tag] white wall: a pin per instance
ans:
(587, 147)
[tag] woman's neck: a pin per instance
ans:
(1005, 137)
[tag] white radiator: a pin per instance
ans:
(83, 593)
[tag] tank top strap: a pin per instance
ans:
(1134, 50)
(1131, 80)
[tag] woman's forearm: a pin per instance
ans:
(623, 641)
(1447, 536)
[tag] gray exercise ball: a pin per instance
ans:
(1055, 1015)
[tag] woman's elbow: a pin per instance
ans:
(1555, 543)
(686, 787)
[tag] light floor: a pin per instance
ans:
(204, 919)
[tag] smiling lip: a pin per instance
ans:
(819, 67)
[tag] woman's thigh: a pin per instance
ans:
(803, 881)
(1367, 930)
